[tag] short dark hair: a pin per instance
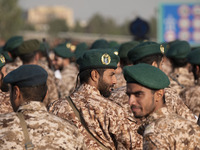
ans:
(34, 93)
(150, 59)
(125, 62)
(86, 74)
(176, 63)
(27, 58)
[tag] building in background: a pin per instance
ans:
(41, 15)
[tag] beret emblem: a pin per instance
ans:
(162, 49)
(105, 59)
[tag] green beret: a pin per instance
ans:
(13, 43)
(44, 47)
(194, 57)
(126, 47)
(26, 76)
(98, 58)
(178, 50)
(28, 47)
(146, 75)
(2, 61)
(62, 50)
(145, 49)
(80, 49)
(7, 56)
(113, 44)
(101, 43)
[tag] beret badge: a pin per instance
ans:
(105, 59)
(162, 49)
(2, 59)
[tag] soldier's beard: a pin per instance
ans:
(104, 88)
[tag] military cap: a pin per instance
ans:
(101, 43)
(29, 46)
(2, 61)
(26, 76)
(7, 56)
(44, 47)
(146, 75)
(98, 58)
(194, 57)
(178, 50)
(80, 49)
(113, 44)
(62, 50)
(145, 49)
(126, 47)
(13, 43)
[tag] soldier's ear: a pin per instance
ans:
(16, 98)
(197, 70)
(158, 95)
(95, 76)
(155, 64)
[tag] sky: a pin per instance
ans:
(120, 10)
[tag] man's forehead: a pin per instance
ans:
(133, 87)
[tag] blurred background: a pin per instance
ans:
(88, 20)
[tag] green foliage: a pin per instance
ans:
(56, 26)
(101, 25)
(10, 18)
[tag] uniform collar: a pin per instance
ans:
(162, 112)
(32, 105)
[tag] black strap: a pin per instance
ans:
(28, 143)
(79, 116)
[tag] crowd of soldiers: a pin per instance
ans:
(107, 95)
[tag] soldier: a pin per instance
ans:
(152, 53)
(190, 95)
(180, 77)
(162, 129)
(31, 126)
(5, 105)
(28, 54)
(102, 122)
(10, 53)
(123, 51)
(66, 82)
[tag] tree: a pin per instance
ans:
(10, 18)
(56, 26)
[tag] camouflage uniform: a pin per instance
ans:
(183, 77)
(164, 130)
(120, 80)
(52, 88)
(5, 105)
(173, 102)
(68, 82)
(190, 97)
(13, 65)
(45, 130)
(105, 119)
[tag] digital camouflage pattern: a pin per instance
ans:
(105, 120)
(13, 65)
(45, 130)
(5, 105)
(52, 88)
(166, 130)
(68, 82)
(120, 80)
(173, 102)
(190, 97)
(184, 78)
